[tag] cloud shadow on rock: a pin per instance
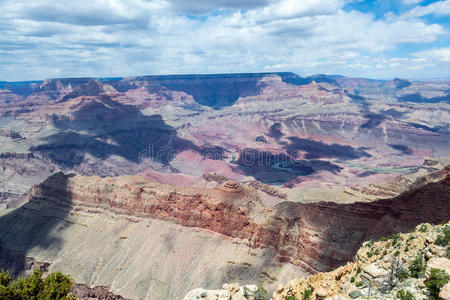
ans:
(418, 98)
(103, 127)
(373, 120)
(316, 150)
(270, 168)
(402, 148)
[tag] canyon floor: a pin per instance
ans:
(153, 186)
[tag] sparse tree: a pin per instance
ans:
(437, 279)
(55, 286)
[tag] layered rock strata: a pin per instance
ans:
(311, 235)
(124, 214)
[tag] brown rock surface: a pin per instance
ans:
(316, 236)
(83, 292)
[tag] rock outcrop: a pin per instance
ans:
(228, 292)
(83, 292)
(382, 270)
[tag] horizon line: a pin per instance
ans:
(112, 78)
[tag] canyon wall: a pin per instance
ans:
(315, 236)
(74, 211)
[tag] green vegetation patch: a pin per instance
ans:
(55, 286)
(417, 266)
(444, 238)
(423, 228)
(260, 293)
(405, 295)
(355, 294)
(307, 294)
(437, 279)
(359, 284)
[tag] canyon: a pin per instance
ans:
(148, 187)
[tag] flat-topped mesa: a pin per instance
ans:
(315, 236)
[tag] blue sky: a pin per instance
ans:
(105, 38)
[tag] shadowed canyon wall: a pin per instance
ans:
(316, 236)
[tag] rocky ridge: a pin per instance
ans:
(298, 232)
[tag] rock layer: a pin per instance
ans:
(310, 234)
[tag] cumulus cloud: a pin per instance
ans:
(290, 9)
(121, 37)
(436, 54)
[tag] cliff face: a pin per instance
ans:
(100, 229)
(137, 238)
(340, 229)
(315, 236)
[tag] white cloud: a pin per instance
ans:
(120, 38)
(288, 9)
(208, 6)
(436, 54)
